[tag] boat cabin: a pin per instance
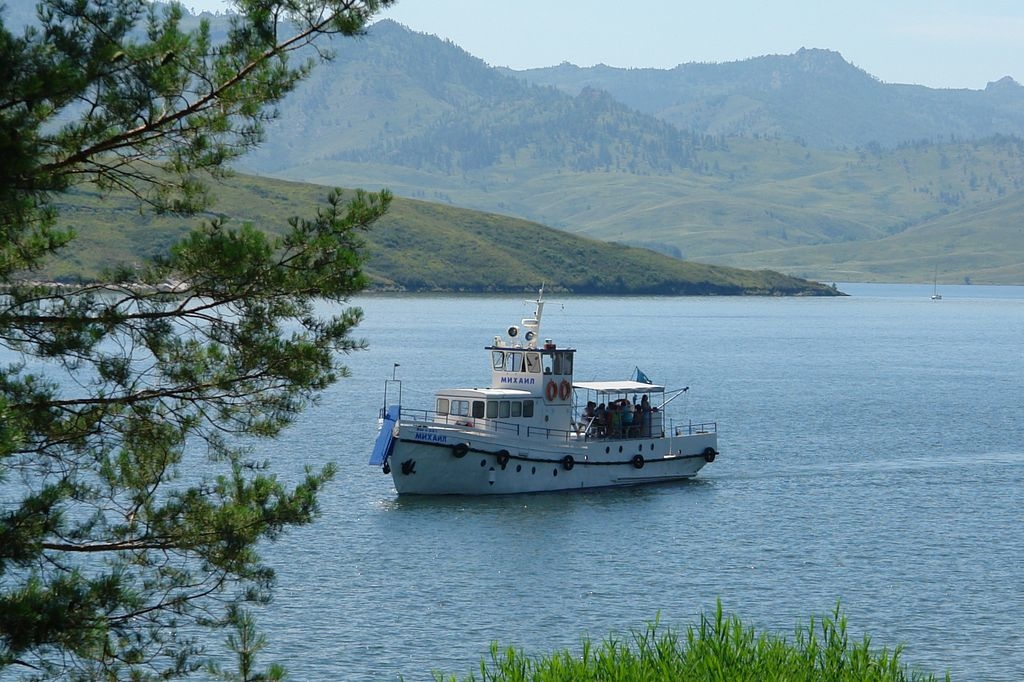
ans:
(530, 387)
(473, 407)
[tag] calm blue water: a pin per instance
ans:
(872, 454)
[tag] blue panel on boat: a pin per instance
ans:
(386, 438)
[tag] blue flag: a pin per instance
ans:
(641, 377)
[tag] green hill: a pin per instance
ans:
(825, 215)
(779, 187)
(958, 245)
(417, 246)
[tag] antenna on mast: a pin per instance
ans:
(532, 325)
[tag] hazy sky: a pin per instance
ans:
(938, 43)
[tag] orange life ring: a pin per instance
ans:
(564, 390)
(551, 390)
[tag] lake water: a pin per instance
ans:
(872, 454)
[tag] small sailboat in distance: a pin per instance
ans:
(936, 296)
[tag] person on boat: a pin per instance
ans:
(627, 417)
(615, 423)
(601, 420)
(645, 415)
(589, 414)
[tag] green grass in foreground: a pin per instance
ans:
(720, 649)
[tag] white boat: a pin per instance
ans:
(936, 296)
(535, 428)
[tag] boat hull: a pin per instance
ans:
(426, 460)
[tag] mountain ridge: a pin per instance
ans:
(782, 87)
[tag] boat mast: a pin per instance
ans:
(532, 325)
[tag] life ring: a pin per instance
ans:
(460, 450)
(503, 458)
(709, 454)
(568, 462)
(551, 391)
(638, 461)
(564, 390)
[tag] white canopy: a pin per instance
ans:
(624, 386)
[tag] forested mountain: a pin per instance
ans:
(406, 99)
(813, 96)
(410, 99)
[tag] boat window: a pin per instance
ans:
(527, 408)
(517, 408)
(497, 359)
(442, 405)
(504, 409)
(478, 409)
(492, 409)
(557, 363)
(533, 363)
(460, 407)
(513, 362)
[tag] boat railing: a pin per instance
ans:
(434, 418)
(548, 433)
(691, 428)
(500, 427)
(431, 417)
(652, 425)
(438, 418)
